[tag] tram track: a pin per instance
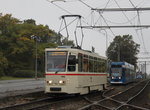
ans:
(92, 101)
(34, 105)
(116, 102)
(25, 105)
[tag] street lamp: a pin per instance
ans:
(35, 38)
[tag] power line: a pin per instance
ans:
(132, 4)
(121, 22)
(123, 12)
(122, 9)
(126, 9)
(59, 6)
(101, 12)
(85, 4)
(125, 26)
(141, 31)
(106, 23)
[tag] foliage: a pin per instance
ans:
(3, 64)
(123, 48)
(11, 78)
(19, 41)
(24, 73)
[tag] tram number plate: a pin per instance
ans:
(55, 89)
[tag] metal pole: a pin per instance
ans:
(36, 60)
(118, 52)
(106, 49)
(35, 39)
(145, 69)
(106, 52)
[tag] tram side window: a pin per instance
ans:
(104, 66)
(72, 63)
(98, 67)
(85, 63)
(91, 64)
(80, 64)
(95, 64)
(101, 65)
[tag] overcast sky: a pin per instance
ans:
(49, 14)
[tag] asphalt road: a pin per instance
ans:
(17, 87)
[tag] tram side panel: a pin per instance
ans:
(92, 82)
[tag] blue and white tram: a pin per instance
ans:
(121, 73)
(74, 71)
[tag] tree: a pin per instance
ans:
(123, 48)
(3, 64)
(18, 49)
(30, 21)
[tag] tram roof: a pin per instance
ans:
(76, 50)
(121, 63)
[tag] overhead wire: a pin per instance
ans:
(102, 11)
(107, 24)
(132, 4)
(123, 12)
(139, 21)
(59, 6)
(105, 20)
(141, 32)
(131, 22)
(85, 4)
(141, 3)
(99, 13)
(121, 22)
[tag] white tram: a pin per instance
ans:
(74, 71)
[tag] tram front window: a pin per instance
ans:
(116, 72)
(56, 61)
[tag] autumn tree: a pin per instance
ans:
(18, 46)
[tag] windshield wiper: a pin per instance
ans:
(57, 71)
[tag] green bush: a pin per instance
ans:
(40, 74)
(1, 73)
(24, 73)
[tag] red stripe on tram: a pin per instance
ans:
(77, 74)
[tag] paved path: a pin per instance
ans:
(15, 87)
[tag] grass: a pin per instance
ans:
(11, 78)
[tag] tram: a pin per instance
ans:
(74, 71)
(121, 73)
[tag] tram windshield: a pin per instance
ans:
(116, 71)
(56, 61)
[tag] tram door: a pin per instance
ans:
(71, 63)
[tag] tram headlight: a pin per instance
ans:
(119, 77)
(61, 82)
(50, 82)
(113, 77)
